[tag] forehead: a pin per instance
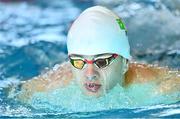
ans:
(91, 56)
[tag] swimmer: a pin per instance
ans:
(99, 59)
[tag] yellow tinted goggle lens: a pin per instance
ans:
(78, 64)
(100, 63)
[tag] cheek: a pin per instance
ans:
(78, 75)
(112, 80)
(109, 79)
(113, 75)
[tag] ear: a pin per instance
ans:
(125, 65)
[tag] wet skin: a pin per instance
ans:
(96, 82)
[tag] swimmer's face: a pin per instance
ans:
(96, 75)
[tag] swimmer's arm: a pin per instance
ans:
(142, 73)
(167, 80)
(51, 80)
(170, 83)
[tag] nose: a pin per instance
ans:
(90, 72)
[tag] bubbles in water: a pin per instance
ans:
(71, 99)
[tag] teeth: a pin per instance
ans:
(91, 85)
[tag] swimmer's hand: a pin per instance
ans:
(58, 77)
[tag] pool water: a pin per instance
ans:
(33, 39)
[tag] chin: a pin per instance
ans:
(93, 93)
(96, 95)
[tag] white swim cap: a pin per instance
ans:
(96, 31)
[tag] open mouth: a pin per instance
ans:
(92, 87)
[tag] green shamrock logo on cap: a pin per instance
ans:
(121, 25)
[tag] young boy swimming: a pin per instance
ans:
(99, 59)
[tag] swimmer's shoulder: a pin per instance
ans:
(60, 76)
(141, 73)
(167, 80)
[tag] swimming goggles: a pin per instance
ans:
(100, 62)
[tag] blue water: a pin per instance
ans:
(33, 37)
